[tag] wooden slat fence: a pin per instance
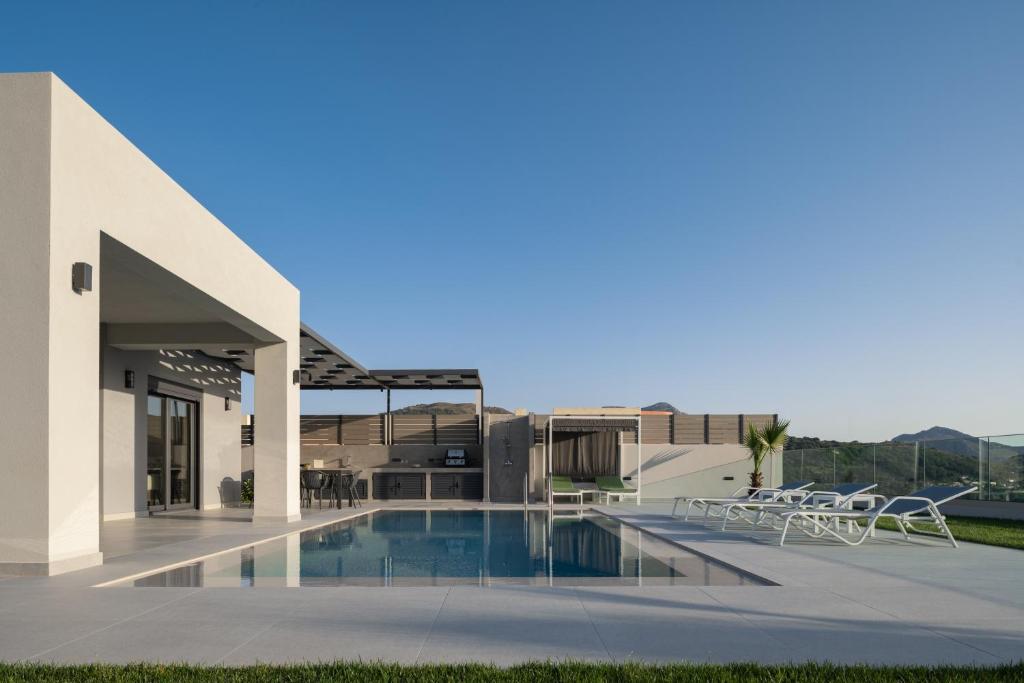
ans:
(320, 430)
(341, 430)
(455, 430)
(687, 429)
(362, 430)
(412, 429)
(441, 430)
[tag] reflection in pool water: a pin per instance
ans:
(448, 547)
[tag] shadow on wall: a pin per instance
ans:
(204, 372)
(666, 455)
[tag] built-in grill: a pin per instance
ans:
(455, 457)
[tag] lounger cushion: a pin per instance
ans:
(613, 484)
(936, 494)
(563, 484)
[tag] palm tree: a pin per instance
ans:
(762, 442)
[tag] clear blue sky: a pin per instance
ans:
(811, 208)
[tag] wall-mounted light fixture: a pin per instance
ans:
(81, 277)
(296, 376)
(227, 403)
(129, 379)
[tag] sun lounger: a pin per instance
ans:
(614, 486)
(563, 486)
(762, 494)
(839, 496)
(921, 506)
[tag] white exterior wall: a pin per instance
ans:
(671, 470)
(25, 312)
(65, 176)
(124, 444)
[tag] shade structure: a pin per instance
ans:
(322, 365)
(590, 423)
(594, 424)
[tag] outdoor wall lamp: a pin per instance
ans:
(227, 403)
(296, 376)
(129, 379)
(81, 277)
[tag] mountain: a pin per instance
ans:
(944, 438)
(664, 407)
(807, 442)
(443, 408)
(939, 454)
(933, 434)
(953, 441)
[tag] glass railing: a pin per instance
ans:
(1002, 469)
(995, 464)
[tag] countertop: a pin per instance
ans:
(407, 469)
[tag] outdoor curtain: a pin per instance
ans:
(585, 455)
(586, 546)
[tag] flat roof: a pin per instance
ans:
(596, 411)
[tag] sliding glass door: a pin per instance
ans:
(170, 452)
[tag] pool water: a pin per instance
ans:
(450, 547)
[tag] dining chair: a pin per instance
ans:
(310, 481)
(353, 491)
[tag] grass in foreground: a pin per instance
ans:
(1007, 533)
(537, 672)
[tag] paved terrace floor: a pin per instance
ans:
(886, 602)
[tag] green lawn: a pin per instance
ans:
(528, 673)
(1002, 532)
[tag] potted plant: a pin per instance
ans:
(248, 492)
(763, 442)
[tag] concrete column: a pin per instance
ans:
(480, 415)
(276, 447)
(49, 353)
(485, 429)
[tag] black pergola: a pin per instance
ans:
(325, 366)
(322, 365)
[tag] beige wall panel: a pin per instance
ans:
(25, 314)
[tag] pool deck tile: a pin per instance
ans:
(885, 602)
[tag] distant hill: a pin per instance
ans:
(443, 408)
(808, 442)
(954, 441)
(944, 455)
(933, 434)
(949, 440)
(664, 407)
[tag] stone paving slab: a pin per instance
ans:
(885, 602)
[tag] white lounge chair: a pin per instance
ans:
(559, 485)
(839, 496)
(614, 487)
(921, 506)
(761, 494)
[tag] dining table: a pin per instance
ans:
(341, 476)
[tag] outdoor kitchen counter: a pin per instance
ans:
(428, 470)
(403, 482)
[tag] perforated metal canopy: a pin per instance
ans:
(324, 366)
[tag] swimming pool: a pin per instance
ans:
(450, 547)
